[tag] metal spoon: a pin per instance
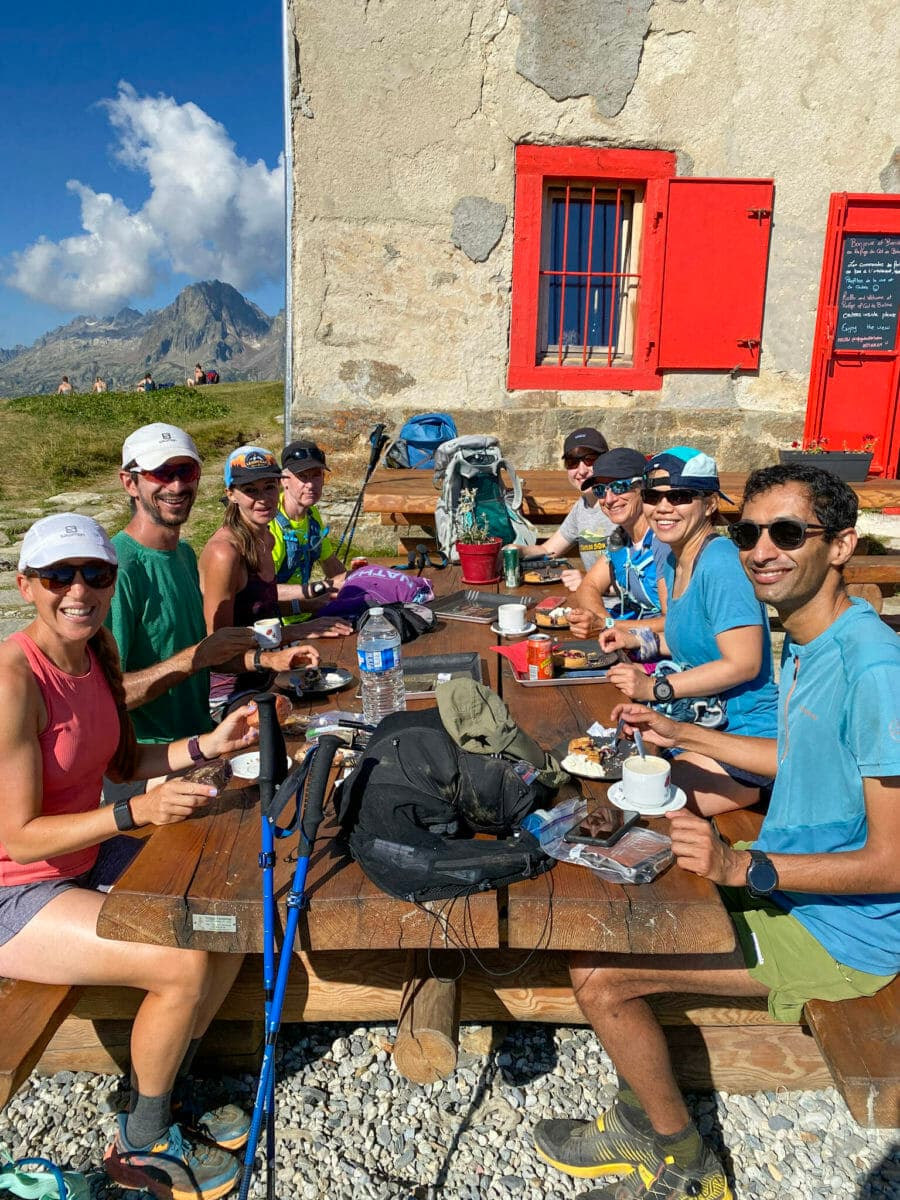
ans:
(639, 743)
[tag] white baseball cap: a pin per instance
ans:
(152, 445)
(65, 535)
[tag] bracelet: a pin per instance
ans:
(649, 644)
(193, 749)
(257, 659)
(123, 816)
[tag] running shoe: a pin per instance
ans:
(228, 1126)
(605, 1146)
(172, 1169)
(668, 1181)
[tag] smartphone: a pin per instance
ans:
(601, 827)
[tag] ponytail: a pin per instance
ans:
(106, 652)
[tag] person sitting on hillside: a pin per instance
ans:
(237, 570)
(199, 375)
(715, 636)
(300, 534)
(586, 526)
(65, 387)
(99, 385)
(64, 725)
(634, 558)
(146, 384)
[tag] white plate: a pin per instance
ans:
(677, 799)
(246, 766)
(529, 627)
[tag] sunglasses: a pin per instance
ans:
(572, 460)
(618, 487)
(188, 472)
(676, 496)
(787, 533)
(60, 576)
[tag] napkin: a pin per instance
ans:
(517, 655)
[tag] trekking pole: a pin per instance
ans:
(378, 439)
(312, 776)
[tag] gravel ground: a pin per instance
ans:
(349, 1128)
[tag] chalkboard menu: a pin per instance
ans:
(869, 296)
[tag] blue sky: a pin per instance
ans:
(164, 195)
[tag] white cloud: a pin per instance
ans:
(210, 214)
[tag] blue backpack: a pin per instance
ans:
(418, 439)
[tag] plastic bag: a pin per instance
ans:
(639, 856)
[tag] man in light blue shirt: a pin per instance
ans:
(816, 899)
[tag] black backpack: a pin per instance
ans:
(411, 807)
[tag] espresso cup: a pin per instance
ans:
(267, 632)
(645, 781)
(511, 617)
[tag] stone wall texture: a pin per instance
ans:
(407, 115)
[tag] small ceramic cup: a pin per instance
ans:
(646, 781)
(267, 632)
(511, 617)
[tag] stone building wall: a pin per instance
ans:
(407, 115)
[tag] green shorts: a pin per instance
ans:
(783, 955)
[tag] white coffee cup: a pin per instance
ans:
(267, 632)
(645, 781)
(511, 617)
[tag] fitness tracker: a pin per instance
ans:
(193, 749)
(663, 691)
(762, 878)
(122, 815)
(295, 608)
(257, 659)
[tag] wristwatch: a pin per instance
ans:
(663, 691)
(193, 749)
(762, 878)
(257, 659)
(122, 815)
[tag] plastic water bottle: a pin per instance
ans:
(378, 653)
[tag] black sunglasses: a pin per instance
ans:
(675, 496)
(618, 487)
(572, 460)
(787, 533)
(60, 576)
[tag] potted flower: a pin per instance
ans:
(850, 465)
(478, 549)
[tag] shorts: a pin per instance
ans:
(21, 902)
(782, 954)
(747, 778)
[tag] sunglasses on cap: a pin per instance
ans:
(618, 487)
(188, 472)
(787, 533)
(60, 576)
(588, 457)
(676, 496)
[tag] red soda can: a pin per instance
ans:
(538, 658)
(358, 562)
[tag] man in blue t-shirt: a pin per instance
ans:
(816, 899)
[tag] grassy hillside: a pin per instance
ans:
(73, 443)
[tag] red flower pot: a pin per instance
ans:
(479, 562)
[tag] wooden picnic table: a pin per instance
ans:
(197, 884)
(409, 497)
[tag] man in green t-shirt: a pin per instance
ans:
(301, 535)
(156, 615)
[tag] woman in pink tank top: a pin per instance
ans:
(62, 727)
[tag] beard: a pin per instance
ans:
(168, 521)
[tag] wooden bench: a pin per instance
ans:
(30, 1014)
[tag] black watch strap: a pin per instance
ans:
(123, 816)
(762, 878)
(257, 659)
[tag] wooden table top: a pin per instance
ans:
(404, 496)
(198, 884)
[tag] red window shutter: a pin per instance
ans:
(717, 249)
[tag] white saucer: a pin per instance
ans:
(246, 766)
(677, 799)
(529, 627)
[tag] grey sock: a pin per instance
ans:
(685, 1146)
(149, 1120)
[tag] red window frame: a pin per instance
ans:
(536, 168)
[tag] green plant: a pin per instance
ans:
(470, 530)
(819, 445)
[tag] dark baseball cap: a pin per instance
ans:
(585, 439)
(301, 455)
(621, 463)
(687, 468)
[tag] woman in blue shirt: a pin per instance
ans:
(715, 628)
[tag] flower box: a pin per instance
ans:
(850, 465)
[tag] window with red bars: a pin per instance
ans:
(597, 234)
